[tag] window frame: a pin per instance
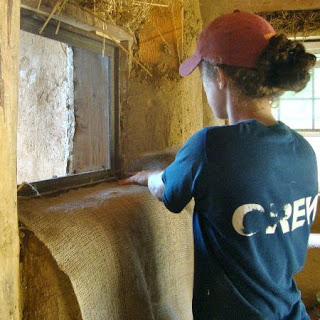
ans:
(32, 22)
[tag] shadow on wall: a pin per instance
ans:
(44, 284)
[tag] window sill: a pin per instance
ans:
(60, 185)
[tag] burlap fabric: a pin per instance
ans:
(127, 257)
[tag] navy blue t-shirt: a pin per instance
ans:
(255, 189)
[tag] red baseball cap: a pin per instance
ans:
(235, 39)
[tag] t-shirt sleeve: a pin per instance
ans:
(183, 179)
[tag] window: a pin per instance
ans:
(68, 106)
(301, 111)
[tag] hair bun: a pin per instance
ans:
(285, 64)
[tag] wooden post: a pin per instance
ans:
(9, 237)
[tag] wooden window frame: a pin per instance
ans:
(32, 22)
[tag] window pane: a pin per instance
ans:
(317, 114)
(317, 82)
(297, 114)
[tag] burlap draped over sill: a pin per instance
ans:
(127, 257)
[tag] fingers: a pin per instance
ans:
(130, 174)
(125, 182)
(129, 180)
(140, 178)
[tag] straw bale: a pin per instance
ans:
(129, 14)
(291, 23)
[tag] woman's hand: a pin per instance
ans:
(152, 179)
(141, 178)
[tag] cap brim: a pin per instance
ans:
(189, 65)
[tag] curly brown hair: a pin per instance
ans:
(284, 65)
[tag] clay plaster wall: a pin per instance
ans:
(45, 108)
(163, 110)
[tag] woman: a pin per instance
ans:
(254, 181)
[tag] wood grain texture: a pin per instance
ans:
(92, 105)
(9, 239)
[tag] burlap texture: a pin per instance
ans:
(127, 257)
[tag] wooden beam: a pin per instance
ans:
(9, 236)
(270, 5)
(81, 19)
(210, 9)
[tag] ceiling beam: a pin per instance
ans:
(210, 9)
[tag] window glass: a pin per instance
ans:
(297, 114)
(317, 82)
(317, 115)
